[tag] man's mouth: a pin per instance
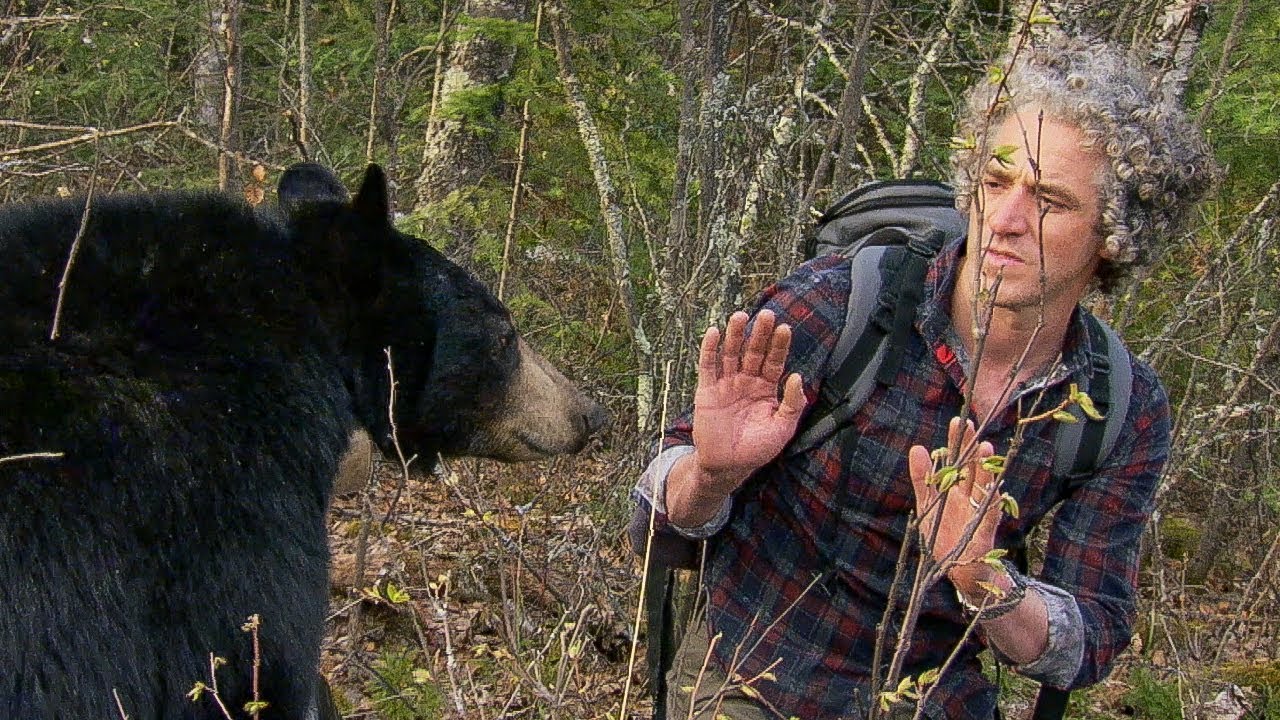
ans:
(1000, 258)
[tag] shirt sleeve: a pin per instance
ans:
(1091, 561)
(652, 490)
(1063, 654)
(812, 300)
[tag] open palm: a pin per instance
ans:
(739, 423)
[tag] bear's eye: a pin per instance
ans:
(505, 342)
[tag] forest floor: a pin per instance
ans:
(501, 591)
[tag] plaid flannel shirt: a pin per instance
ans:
(801, 571)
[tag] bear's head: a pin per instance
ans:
(420, 334)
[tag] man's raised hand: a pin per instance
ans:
(739, 424)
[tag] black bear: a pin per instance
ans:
(166, 459)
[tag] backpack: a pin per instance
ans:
(892, 230)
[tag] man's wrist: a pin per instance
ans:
(694, 494)
(985, 591)
(976, 579)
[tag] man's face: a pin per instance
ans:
(1020, 218)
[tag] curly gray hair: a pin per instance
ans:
(1159, 163)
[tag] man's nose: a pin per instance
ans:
(1014, 213)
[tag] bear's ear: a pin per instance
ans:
(306, 183)
(371, 201)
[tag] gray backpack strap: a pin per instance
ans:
(842, 395)
(1083, 447)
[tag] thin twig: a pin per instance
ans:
(75, 247)
(31, 456)
(90, 134)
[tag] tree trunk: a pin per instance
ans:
(619, 254)
(379, 119)
(940, 43)
(207, 70)
(712, 163)
(230, 93)
(459, 153)
(1177, 41)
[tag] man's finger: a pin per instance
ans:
(758, 343)
(920, 466)
(731, 353)
(793, 399)
(708, 357)
(775, 363)
(954, 430)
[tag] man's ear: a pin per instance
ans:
(1106, 252)
(306, 183)
(371, 201)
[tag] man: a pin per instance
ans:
(1079, 173)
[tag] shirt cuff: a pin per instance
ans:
(1063, 655)
(652, 488)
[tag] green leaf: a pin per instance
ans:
(1042, 20)
(1009, 506)
(991, 590)
(1063, 416)
(197, 691)
(1086, 404)
(947, 477)
(1003, 154)
(253, 707)
(395, 595)
(993, 464)
(963, 143)
(994, 556)
(929, 677)
(995, 74)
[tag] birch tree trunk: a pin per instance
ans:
(1177, 42)
(619, 254)
(216, 83)
(915, 100)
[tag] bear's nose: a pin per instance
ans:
(595, 418)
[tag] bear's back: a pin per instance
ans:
(166, 270)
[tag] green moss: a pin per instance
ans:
(1153, 698)
(1179, 537)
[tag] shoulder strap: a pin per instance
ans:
(858, 352)
(1082, 447)
(887, 273)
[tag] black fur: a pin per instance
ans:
(211, 364)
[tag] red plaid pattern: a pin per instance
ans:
(803, 570)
